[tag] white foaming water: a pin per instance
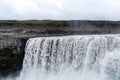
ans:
(72, 58)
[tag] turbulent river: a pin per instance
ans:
(89, 57)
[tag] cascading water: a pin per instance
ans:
(72, 58)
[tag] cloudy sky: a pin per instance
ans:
(60, 9)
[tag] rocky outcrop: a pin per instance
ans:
(11, 54)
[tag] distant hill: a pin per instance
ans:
(57, 27)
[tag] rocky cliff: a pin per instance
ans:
(14, 34)
(11, 54)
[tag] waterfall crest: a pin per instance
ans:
(72, 58)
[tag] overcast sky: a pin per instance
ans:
(60, 9)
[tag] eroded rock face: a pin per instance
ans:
(11, 54)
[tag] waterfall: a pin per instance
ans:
(93, 57)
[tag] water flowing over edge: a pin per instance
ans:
(93, 57)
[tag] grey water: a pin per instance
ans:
(86, 57)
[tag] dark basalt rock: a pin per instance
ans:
(11, 55)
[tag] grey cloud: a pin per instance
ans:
(60, 9)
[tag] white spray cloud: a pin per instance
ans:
(60, 9)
